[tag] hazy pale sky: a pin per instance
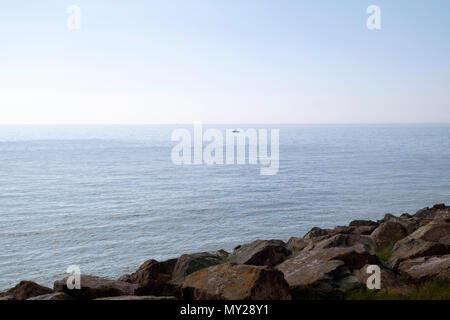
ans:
(224, 61)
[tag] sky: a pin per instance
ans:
(224, 61)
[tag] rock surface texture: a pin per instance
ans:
(236, 282)
(93, 287)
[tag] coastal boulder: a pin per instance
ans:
(431, 239)
(153, 278)
(321, 273)
(236, 282)
(348, 240)
(260, 253)
(443, 214)
(189, 263)
(363, 223)
(388, 233)
(354, 257)
(222, 253)
(436, 231)
(425, 213)
(25, 290)
(438, 211)
(409, 223)
(413, 248)
(296, 244)
(423, 268)
(93, 287)
(440, 206)
(359, 230)
(318, 232)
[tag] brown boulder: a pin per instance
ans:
(387, 217)
(431, 239)
(236, 282)
(260, 253)
(153, 278)
(407, 221)
(318, 232)
(438, 211)
(190, 263)
(296, 244)
(348, 240)
(443, 215)
(439, 206)
(413, 248)
(25, 290)
(304, 273)
(410, 224)
(363, 223)
(93, 287)
(222, 253)
(423, 268)
(424, 213)
(388, 232)
(362, 230)
(436, 231)
(324, 272)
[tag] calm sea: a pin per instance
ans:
(107, 198)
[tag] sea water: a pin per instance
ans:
(107, 198)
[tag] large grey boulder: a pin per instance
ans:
(305, 274)
(413, 248)
(93, 287)
(423, 268)
(429, 240)
(436, 231)
(348, 240)
(325, 272)
(260, 253)
(236, 282)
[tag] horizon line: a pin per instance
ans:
(226, 123)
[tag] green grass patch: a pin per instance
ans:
(432, 290)
(385, 252)
(428, 290)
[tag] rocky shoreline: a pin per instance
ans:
(324, 264)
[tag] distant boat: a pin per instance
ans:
(236, 131)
